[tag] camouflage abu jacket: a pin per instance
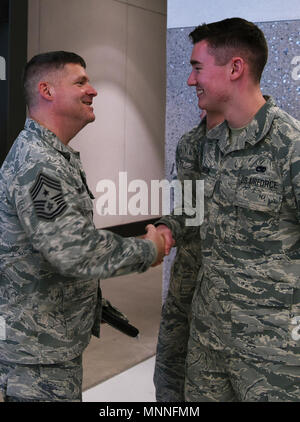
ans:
(249, 287)
(51, 254)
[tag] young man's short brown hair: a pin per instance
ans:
(231, 37)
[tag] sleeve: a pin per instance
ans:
(55, 211)
(187, 159)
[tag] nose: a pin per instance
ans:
(191, 79)
(91, 91)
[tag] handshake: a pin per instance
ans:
(163, 239)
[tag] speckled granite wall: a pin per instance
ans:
(281, 79)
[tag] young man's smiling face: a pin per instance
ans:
(210, 80)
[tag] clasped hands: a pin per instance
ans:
(163, 239)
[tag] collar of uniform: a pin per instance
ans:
(217, 132)
(252, 133)
(51, 139)
(261, 123)
(201, 128)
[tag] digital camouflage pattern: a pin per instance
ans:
(51, 254)
(245, 332)
(169, 374)
(61, 382)
(187, 165)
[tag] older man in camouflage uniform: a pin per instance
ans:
(245, 328)
(51, 253)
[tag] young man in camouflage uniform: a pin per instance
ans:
(169, 374)
(51, 253)
(245, 334)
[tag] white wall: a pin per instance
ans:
(190, 13)
(123, 43)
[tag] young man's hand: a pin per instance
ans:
(153, 235)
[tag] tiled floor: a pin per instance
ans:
(116, 362)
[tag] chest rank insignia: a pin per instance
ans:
(47, 197)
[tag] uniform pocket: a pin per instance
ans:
(257, 218)
(79, 303)
(261, 200)
(264, 329)
(259, 186)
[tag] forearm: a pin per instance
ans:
(98, 253)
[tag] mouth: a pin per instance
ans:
(87, 103)
(199, 92)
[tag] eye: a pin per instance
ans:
(197, 68)
(81, 82)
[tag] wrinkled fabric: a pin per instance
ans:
(51, 254)
(42, 383)
(246, 306)
(244, 329)
(169, 374)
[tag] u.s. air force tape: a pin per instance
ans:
(47, 197)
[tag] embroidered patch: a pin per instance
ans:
(47, 197)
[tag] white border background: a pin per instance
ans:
(187, 13)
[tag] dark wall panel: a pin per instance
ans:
(13, 47)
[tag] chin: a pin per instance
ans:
(201, 104)
(91, 119)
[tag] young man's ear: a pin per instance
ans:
(237, 68)
(46, 91)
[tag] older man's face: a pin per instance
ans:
(73, 95)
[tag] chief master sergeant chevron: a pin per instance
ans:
(51, 254)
